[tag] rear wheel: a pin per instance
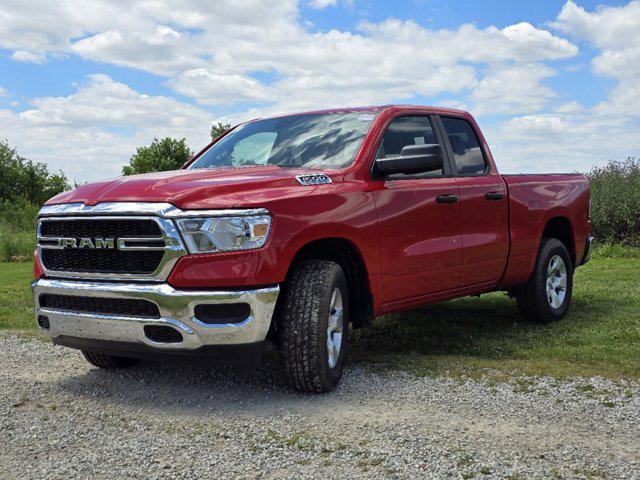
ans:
(101, 360)
(313, 326)
(547, 295)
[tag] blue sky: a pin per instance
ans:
(553, 84)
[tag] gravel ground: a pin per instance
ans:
(61, 418)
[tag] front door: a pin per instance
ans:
(419, 220)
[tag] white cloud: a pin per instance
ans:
(162, 37)
(211, 88)
(521, 42)
(512, 89)
(615, 32)
(574, 137)
(212, 50)
(383, 62)
(561, 142)
(162, 50)
(28, 57)
(608, 27)
(93, 132)
(3, 91)
(320, 4)
(570, 107)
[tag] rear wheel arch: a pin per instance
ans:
(561, 229)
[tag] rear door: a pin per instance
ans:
(483, 204)
(418, 218)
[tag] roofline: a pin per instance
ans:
(369, 108)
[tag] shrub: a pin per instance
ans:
(17, 230)
(16, 246)
(18, 215)
(615, 201)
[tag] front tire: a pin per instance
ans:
(111, 362)
(546, 296)
(313, 326)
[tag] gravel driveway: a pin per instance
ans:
(60, 418)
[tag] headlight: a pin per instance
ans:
(224, 234)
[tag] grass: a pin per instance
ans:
(16, 304)
(599, 336)
(470, 336)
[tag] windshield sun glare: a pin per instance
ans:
(312, 141)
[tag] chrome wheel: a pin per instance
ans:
(334, 328)
(556, 281)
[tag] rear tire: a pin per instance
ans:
(101, 360)
(546, 296)
(313, 326)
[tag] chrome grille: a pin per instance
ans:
(114, 247)
(146, 228)
(101, 261)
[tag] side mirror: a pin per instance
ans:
(413, 159)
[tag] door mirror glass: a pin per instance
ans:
(413, 159)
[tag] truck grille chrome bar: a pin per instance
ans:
(138, 248)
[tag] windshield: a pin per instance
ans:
(301, 141)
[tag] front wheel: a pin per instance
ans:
(546, 296)
(313, 326)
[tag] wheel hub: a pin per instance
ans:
(334, 328)
(556, 281)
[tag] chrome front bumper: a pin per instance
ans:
(176, 310)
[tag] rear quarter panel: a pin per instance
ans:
(534, 200)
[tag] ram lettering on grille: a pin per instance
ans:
(110, 246)
(86, 243)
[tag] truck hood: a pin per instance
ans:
(198, 188)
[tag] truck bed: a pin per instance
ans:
(535, 200)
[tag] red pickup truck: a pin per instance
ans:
(293, 230)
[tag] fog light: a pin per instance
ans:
(43, 322)
(222, 313)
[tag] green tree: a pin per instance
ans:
(218, 129)
(25, 179)
(163, 154)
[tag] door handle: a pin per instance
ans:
(447, 198)
(494, 195)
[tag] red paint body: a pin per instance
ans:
(415, 251)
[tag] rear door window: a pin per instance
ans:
(468, 158)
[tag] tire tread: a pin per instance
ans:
(531, 297)
(299, 324)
